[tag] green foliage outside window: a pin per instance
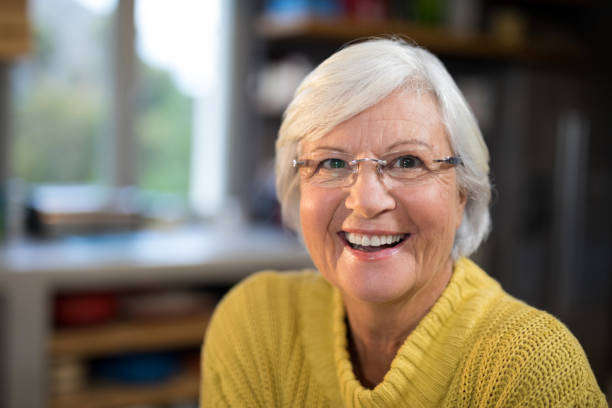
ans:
(57, 130)
(59, 114)
(164, 127)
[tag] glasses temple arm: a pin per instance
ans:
(452, 160)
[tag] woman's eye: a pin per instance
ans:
(407, 162)
(332, 164)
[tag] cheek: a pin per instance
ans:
(308, 217)
(435, 210)
(316, 214)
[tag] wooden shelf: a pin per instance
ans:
(184, 387)
(15, 32)
(129, 336)
(436, 39)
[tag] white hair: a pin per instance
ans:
(356, 78)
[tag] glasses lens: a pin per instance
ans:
(332, 172)
(406, 167)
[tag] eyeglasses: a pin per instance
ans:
(336, 170)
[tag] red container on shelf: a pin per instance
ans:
(85, 308)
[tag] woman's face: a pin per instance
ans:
(424, 214)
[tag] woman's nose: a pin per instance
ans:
(368, 195)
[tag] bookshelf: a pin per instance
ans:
(184, 387)
(440, 40)
(32, 274)
(130, 336)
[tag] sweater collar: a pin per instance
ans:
(424, 365)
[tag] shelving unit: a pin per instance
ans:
(129, 336)
(437, 39)
(33, 273)
(181, 388)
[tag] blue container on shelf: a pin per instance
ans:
(137, 368)
(299, 9)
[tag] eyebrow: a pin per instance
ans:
(329, 148)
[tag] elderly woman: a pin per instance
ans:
(382, 170)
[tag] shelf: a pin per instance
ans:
(15, 31)
(129, 336)
(181, 388)
(436, 39)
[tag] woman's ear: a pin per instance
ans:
(461, 206)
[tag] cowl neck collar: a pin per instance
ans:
(425, 364)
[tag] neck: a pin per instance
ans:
(377, 331)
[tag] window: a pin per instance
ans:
(194, 52)
(146, 111)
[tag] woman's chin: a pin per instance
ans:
(376, 284)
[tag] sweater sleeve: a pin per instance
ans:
(211, 393)
(566, 375)
(238, 362)
(217, 358)
(534, 362)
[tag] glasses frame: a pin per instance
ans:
(452, 161)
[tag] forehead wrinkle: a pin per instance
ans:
(411, 142)
(390, 137)
(412, 119)
(415, 126)
(340, 149)
(377, 138)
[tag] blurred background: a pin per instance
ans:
(136, 171)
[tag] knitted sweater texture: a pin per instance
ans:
(280, 340)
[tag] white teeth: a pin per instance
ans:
(372, 240)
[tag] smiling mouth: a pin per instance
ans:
(372, 243)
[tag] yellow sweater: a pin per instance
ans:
(280, 340)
